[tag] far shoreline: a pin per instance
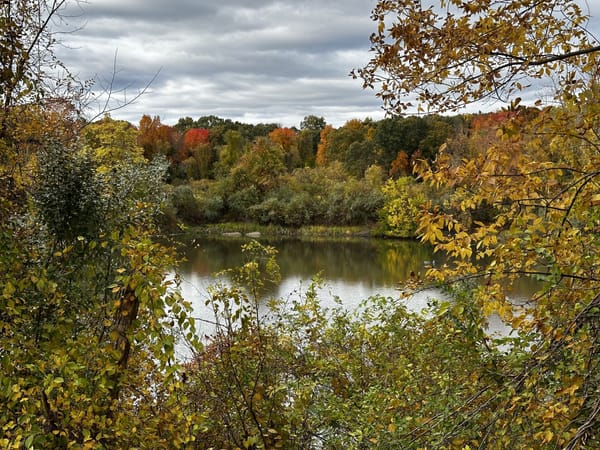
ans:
(253, 230)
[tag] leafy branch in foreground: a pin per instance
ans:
(537, 181)
(448, 55)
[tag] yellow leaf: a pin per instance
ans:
(547, 436)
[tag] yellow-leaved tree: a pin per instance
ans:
(540, 178)
(88, 311)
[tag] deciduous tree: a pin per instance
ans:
(86, 316)
(111, 141)
(195, 137)
(323, 148)
(156, 138)
(541, 176)
(449, 53)
(288, 139)
(27, 42)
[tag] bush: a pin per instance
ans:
(270, 211)
(306, 377)
(400, 212)
(185, 203)
(240, 202)
(69, 193)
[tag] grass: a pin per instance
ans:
(278, 231)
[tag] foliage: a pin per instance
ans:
(229, 153)
(195, 137)
(88, 317)
(288, 140)
(68, 195)
(308, 143)
(259, 166)
(352, 145)
(197, 205)
(36, 104)
(294, 375)
(27, 45)
(185, 204)
(156, 138)
(77, 198)
(404, 199)
(218, 127)
(323, 156)
(400, 166)
(312, 123)
(256, 179)
(322, 195)
(538, 176)
(112, 140)
(467, 51)
(134, 193)
(90, 314)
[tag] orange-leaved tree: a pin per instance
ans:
(288, 140)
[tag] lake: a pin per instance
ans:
(353, 269)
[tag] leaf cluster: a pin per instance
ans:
(445, 55)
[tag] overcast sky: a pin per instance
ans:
(247, 60)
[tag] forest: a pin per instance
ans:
(220, 170)
(91, 310)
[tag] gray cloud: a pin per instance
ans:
(249, 60)
(260, 60)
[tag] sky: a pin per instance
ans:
(247, 60)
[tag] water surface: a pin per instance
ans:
(352, 269)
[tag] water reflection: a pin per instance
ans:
(352, 271)
(374, 263)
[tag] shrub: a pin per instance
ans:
(186, 204)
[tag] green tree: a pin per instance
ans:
(313, 123)
(352, 145)
(231, 151)
(399, 134)
(308, 143)
(69, 194)
(439, 130)
(184, 124)
(88, 324)
(261, 165)
(87, 315)
(404, 199)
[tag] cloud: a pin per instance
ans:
(274, 61)
(250, 60)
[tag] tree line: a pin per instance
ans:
(223, 170)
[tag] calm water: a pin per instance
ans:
(352, 269)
